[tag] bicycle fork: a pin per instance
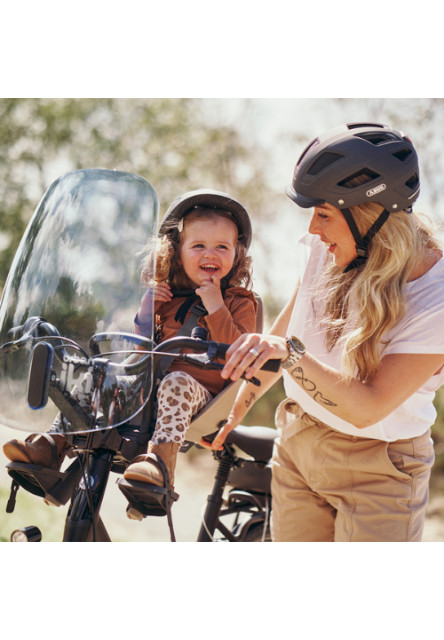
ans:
(83, 522)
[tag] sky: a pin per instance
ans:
(283, 127)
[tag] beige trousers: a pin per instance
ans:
(328, 486)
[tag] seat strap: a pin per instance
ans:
(196, 311)
(11, 502)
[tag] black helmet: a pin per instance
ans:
(354, 164)
(382, 157)
(213, 200)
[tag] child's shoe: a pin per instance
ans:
(43, 449)
(145, 467)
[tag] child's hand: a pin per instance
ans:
(160, 293)
(211, 295)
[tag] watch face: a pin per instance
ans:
(296, 344)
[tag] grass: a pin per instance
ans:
(30, 510)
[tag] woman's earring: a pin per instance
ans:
(180, 225)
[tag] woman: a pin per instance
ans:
(354, 453)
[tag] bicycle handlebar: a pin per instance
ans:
(214, 350)
(38, 328)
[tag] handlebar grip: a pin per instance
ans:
(270, 365)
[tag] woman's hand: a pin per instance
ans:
(242, 358)
(217, 443)
(250, 352)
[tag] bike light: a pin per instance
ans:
(27, 534)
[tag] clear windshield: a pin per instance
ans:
(78, 268)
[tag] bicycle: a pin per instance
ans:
(65, 285)
(98, 452)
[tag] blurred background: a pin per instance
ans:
(246, 147)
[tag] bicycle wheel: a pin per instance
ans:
(256, 533)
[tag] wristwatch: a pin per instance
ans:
(296, 349)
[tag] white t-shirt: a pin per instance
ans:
(421, 330)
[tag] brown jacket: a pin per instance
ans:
(237, 316)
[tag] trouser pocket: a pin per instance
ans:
(412, 458)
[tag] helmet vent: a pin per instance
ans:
(359, 178)
(413, 181)
(307, 148)
(403, 154)
(377, 137)
(361, 125)
(325, 160)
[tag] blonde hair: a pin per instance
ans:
(168, 268)
(370, 300)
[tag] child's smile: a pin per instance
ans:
(208, 248)
(210, 268)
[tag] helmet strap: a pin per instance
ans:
(362, 243)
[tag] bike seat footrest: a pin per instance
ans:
(43, 482)
(148, 499)
(34, 478)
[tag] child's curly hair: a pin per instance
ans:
(167, 268)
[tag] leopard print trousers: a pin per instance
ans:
(179, 398)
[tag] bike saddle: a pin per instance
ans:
(254, 441)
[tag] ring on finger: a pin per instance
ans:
(254, 352)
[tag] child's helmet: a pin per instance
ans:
(383, 158)
(213, 200)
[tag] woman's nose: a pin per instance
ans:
(314, 226)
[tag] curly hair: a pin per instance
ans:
(167, 250)
(363, 304)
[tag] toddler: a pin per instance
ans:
(204, 239)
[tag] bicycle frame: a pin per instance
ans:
(98, 452)
(240, 501)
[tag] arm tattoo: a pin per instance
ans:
(310, 387)
(249, 401)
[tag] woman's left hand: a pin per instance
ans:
(250, 352)
(218, 441)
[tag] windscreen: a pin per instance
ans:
(76, 274)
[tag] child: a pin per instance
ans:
(204, 238)
(203, 243)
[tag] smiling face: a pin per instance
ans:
(208, 248)
(330, 225)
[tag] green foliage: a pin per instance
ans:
(437, 479)
(167, 141)
(262, 413)
(31, 510)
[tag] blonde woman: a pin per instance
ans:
(361, 344)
